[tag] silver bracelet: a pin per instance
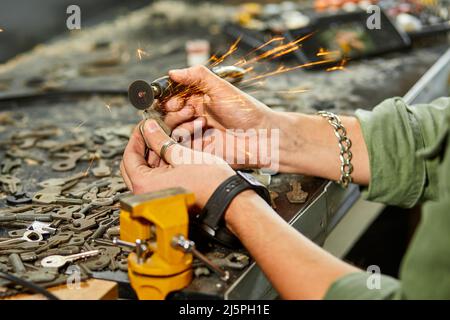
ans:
(345, 155)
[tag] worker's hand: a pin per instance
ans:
(198, 172)
(219, 108)
(220, 103)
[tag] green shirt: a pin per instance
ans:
(409, 154)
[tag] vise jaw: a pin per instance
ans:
(152, 221)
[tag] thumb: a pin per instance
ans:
(201, 77)
(156, 138)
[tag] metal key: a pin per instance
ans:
(103, 226)
(53, 195)
(117, 185)
(67, 145)
(90, 195)
(9, 164)
(59, 261)
(234, 260)
(80, 192)
(70, 161)
(66, 213)
(23, 154)
(56, 182)
(102, 169)
(30, 236)
(10, 183)
(42, 227)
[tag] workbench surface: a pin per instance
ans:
(97, 64)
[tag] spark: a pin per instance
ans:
(217, 60)
(86, 173)
(283, 69)
(249, 60)
(282, 53)
(1, 30)
(277, 51)
(293, 91)
(140, 53)
(108, 107)
(323, 52)
(340, 66)
(243, 60)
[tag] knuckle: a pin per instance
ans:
(200, 71)
(199, 68)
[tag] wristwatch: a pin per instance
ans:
(211, 219)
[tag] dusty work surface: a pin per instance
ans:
(106, 57)
(36, 145)
(56, 94)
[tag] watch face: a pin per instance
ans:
(250, 179)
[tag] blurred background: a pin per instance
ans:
(32, 22)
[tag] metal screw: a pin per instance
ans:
(186, 245)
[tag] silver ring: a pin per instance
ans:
(165, 146)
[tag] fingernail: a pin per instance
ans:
(151, 125)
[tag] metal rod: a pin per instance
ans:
(186, 245)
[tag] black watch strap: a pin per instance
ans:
(211, 219)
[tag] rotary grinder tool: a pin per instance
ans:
(142, 94)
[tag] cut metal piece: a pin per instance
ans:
(296, 195)
(102, 169)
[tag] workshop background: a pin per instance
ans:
(65, 120)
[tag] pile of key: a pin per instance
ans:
(63, 223)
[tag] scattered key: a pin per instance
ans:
(10, 183)
(29, 236)
(9, 164)
(55, 182)
(102, 169)
(59, 261)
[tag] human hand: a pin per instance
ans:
(200, 173)
(236, 122)
(221, 104)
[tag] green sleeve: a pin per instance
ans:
(363, 286)
(394, 133)
(407, 158)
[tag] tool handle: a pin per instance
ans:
(164, 88)
(142, 93)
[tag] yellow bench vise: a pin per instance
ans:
(152, 221)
